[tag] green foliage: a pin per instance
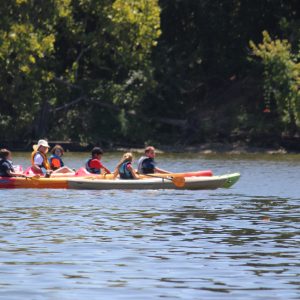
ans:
(281, 78)
(65, 60)
(139, 21)
(137, 70)
(27, 46)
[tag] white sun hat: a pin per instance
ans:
(41, 143)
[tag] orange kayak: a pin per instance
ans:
(33, 183)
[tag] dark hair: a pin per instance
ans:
(4, 153)
(97, 150)
(59, 147)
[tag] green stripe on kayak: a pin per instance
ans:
(231, 179)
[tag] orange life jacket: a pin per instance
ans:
(45, 163)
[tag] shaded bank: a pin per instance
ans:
(284, 145)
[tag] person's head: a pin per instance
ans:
(5, 154)
(42, 146)
(97, 152)
(58, 150)
(127, 157)
(150, 151)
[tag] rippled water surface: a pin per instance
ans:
(240, 243)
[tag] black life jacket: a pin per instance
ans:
(3, 169)
(146, 165)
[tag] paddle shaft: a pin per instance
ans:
(177, 181)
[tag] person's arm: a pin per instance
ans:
(9, 170)
(39, 170)
(14, 174)
(116, 173)
(106, 171)
(38, 160)
(36, 168)
(158, 170)
(103, 169)
(132, 171)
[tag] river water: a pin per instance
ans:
(237, 243)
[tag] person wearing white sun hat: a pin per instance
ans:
(39, 161)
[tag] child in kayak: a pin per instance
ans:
(147, 164)
(55, 160)
(94, 165)
(124, 168)
(6, 165)
(39, 162)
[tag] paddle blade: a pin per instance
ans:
(179, 181)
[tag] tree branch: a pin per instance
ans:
(70, 103)
(66, 82)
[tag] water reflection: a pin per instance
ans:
(241, 243)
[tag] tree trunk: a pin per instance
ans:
(41, 124)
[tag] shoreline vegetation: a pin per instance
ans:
(289, 147)
(206, 76)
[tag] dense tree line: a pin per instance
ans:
(168, 71)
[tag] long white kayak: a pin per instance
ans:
(191, 183)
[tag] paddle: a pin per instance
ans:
(178, 181)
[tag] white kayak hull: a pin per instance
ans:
(191, 183)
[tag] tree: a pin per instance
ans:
(27, 34)
(83, 65)
(281, 79)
